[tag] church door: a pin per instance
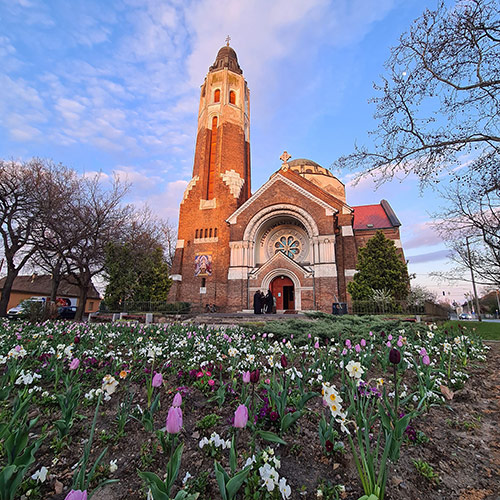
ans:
(283, 290)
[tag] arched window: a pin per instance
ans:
(215, 233)
(232, 97)
(196, 234)
(217, 95)
(211, 165)
(206, 233)
(210, 233)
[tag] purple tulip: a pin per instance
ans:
(254, 376)
(76, 495)
(426, 360)
(246, 377)
(394, 356)
(241, 417)
(284, 361)
(177, 400)
(157, 380)
(423, 352)
(174, 420)
(75, 363)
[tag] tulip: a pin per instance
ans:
(75, 363)
(316, 345)
(177, 400)
(76, 495)
(254, 376)
(157, 380)
(423, 352)
(241, 417)
(246, 377)
(363, 343)
(426, 360)
(357, 348)
(284, 361)
(76, 340)
(394, 356)
(174, 420)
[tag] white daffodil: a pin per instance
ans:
(112, 466)
(354, 369)
(109, 384)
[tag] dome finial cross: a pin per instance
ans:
(228, 39)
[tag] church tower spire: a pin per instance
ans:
(220, 184)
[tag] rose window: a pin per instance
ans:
(289, 245)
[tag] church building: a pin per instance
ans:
(296, 235)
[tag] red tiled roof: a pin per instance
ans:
(378, 216)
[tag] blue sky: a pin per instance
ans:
(113, 86)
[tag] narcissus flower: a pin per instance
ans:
(241, 417)
(354, 369)
(109, 384)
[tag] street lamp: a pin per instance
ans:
(472, 277)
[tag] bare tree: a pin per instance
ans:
(440, 100)
(94, 218)
(473, 211)
(19, 212)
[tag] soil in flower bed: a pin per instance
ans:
(459, 442)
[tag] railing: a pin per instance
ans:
(361, 307)
(149, 306)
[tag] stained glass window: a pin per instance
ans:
(288, 245)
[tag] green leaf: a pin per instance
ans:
(232, 457)
(235, 483)
(290, 419)
(173, 467)
(271, 437)
(157, 486)
(221, 475)
(305, 398)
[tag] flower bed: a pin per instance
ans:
(172, 411)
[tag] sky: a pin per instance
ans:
(113, 86)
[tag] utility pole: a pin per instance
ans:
(473, 280)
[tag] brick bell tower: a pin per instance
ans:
(220, 184)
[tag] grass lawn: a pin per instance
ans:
(487, 330)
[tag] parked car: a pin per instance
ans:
(465, 316)
(22, 308)
(66, 312)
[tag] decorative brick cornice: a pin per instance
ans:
(191, 185)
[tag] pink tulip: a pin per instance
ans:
(75, 363)
(389, 337)
(357, 348)
(348, 343)
(316, 345)
(423, 352)
(241, 417)
(157, 380)
(400, 344)
(344, 352)
(211, 382)
(388, 344)
(246, 377)
(363, 343)
(308, 335)
(174, 420)
(177, 400)
(76, 495)
(426, 360)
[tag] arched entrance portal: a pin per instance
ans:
(282, 288)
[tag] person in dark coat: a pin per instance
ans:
(269, 302)
(257, 303)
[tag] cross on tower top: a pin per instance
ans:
(228, 39)
(284, 158)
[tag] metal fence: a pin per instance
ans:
(361, 307)
(149, 306)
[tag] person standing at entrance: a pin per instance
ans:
(257, 303)
(269, 302)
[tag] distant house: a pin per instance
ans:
(35, 285)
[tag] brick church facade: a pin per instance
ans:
(296, 235)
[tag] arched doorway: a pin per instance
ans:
(283, 290)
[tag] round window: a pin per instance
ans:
(289, 245)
